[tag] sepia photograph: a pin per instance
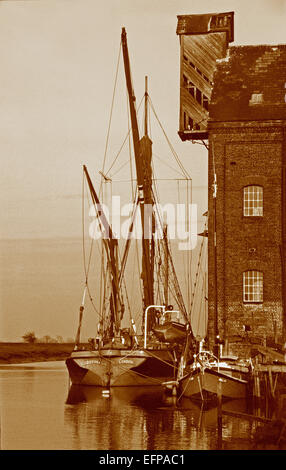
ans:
(143, 228)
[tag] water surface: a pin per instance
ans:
(39, 410)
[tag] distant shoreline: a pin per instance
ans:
(18, 353)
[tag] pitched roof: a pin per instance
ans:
(250, 84)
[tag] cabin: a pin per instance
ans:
(203, 40)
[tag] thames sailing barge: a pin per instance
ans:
(119, 357)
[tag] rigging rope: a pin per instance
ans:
(111, 110)
(199, 269)
(165, 163)
(125, 369)
(124, 141)
(87, 264)
(185, 173)
(179, 296)
(86, 267)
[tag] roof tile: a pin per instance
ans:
(245, 72)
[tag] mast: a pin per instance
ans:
(143, 157)
(166, 265)
(111, 248)
(146, 108)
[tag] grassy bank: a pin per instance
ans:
(13, 353)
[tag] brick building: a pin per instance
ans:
(246, 133)
(247, 152)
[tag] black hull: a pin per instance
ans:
(111, 368)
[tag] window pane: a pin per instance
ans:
(253, 286)
(253, 201)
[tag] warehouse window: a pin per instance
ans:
(199, 96)
(252, 286)
(188, 122)
(253, 201)
(191, 88)
(185, 80)
(205, 102)
(256, 98)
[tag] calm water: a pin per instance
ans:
(40, 411)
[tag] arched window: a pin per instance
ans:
(252, 286)
(253, 201)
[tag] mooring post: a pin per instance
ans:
(272, 386)
(258, 386)
(256, 383)
(266, 391)
(219, 412)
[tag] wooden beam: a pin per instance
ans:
(237, 414)
(193, 135)
(273, 367)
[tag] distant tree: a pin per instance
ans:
(59, 339)
(29, 337)
(47, 339)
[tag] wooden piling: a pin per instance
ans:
(265, 383)
(271, 383)
(219, 412)
(256, 385)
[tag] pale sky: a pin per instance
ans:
(57, 68)
(58, 61)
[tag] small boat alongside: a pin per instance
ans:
(204, 378)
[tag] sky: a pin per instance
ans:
(58, 63)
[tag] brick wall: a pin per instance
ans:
(245, 153)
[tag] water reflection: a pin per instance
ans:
(145, 397)
(129, 418)
(39, 401)
(146, 418)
